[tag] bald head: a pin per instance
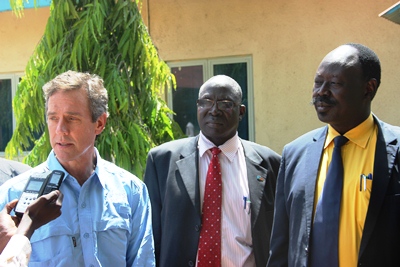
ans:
(223, 81)
(219, 108)
(343, 55)
(352, 53)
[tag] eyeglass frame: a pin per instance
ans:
(234, 104)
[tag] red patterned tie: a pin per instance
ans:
(209, 253)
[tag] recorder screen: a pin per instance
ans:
(34, 185)
(54, 179)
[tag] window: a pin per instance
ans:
(8, 87)
(6, 122)
(190, 75)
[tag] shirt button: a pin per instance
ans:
(83, 205)
(86, 235)
(306, 249)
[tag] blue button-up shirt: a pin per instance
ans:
(104, 222)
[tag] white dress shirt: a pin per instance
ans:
(236, 240)
(17, 252)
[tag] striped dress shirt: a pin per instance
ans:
(236, 240)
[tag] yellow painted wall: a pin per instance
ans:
(286, 39)
(19, 36)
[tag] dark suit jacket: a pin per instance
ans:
(380, 244)
(172, 179)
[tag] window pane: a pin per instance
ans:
(188, 82)
(6, 123)
(238, 72)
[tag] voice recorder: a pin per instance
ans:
(37, 185)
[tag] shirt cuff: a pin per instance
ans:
(17, 251)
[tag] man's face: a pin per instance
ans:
(72, 132)
(219, 124)
(340, 92)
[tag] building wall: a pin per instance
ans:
(19, 36)
(286, 39)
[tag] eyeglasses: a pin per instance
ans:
(221, 104)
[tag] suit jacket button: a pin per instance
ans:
(197, 228)
(190, 263)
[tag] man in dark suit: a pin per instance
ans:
(11, 168)
(176, 173)
(346, 82)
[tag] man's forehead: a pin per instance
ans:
(218, 92)
(344, 54)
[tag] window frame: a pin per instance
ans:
(208, 69)
(14, 77)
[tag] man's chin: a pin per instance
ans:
(323, 117)
(62, 155)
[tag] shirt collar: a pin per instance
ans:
(229, 148)
(54, 164)
(358, 135)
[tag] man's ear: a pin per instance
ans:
(371, 88)
(242, 111)
(101, 123)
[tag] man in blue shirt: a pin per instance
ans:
(106, 213)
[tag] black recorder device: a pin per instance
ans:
(37, 185)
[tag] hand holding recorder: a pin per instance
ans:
(37, 185)
(43, 210)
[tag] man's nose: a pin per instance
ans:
(61, 127)
(214, 108)
(323, 89)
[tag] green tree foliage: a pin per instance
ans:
(107, 38)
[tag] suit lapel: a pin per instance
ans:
(256, 176)
(188, 169)
(311, 166)
(386, 145)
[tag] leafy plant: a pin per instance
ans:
(107, 38)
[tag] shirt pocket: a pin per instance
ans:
(52, 246)
(59, 261)
(115, 215)
(113, 228)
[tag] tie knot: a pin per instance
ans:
(340, 140)
(215, 150)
